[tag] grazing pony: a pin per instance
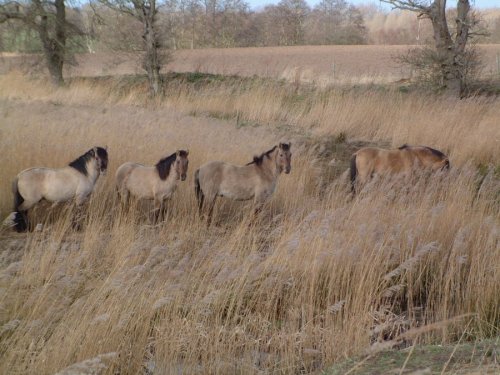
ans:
(369, 161)
(77, 180)
(255, 180)
(156, 182)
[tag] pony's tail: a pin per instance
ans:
(354, 173)
(18, 217)
(197, 189)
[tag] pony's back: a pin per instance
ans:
(122, 172)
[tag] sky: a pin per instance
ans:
(255, 4)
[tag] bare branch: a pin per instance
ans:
(411, 5)
(119, 6)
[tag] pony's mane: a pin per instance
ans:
(163, 166)
(436, 152)
(432, 150)
(80, 163)
(257, 160)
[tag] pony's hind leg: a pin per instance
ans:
(124, 198)
(211, 210)
(21, 218)
(18, 220)
(200, 196)
(201, 199)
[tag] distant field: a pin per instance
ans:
(321, 64)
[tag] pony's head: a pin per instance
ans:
(284, 157)
(181, 163)
(101, 157)
(437, 160)
(97, 157)
(431, 158)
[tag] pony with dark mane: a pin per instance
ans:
(369, 161)
(77, 180)
(157, 182)
(256, 180)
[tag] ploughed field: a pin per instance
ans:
(322, 65)
(319, 278)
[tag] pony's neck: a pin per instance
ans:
(172, 175)
(92, 170)
(269, 165)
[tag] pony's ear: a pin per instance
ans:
(280, 145)
(187, 152)
(94, 152)
(178, 152)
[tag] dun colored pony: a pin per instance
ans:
(369, 161)
(77, 180)
(156, 182)
(256, 180)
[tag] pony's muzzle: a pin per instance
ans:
(183, 177)
(288, 169)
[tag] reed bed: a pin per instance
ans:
(320, 277)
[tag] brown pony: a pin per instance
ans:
(369, 161)
(255, 180)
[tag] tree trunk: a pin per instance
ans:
(54, 48)
(455, 61)
(451, 54)
(152, 59)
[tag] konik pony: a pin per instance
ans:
(156, 182)
(369, 161)
(255, 180)
(77, 180)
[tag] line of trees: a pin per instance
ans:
(199, 24)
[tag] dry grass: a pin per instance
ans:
(319, 278)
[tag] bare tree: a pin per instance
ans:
(293, 14)
(48, 19)
(145, 11)
(450, 49)
(335, 22)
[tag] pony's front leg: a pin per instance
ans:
(162, 212)
(79, 209)
(259, 202)
(157, 211)
(257, 209)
